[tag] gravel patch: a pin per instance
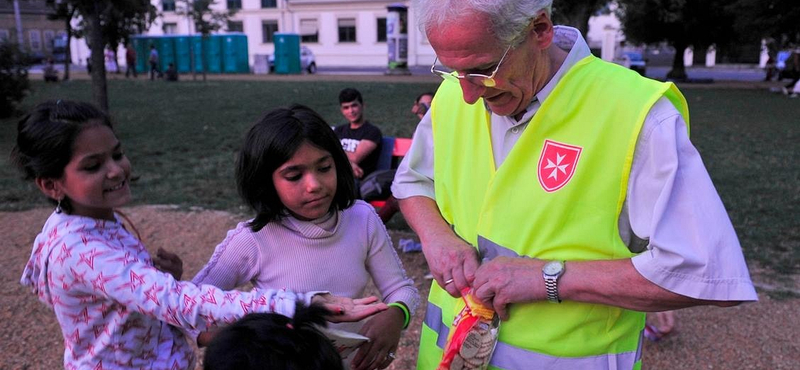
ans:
(761, 335)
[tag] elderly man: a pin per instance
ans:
(561, 189)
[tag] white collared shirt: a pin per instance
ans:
(672, 213)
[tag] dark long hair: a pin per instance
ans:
(273, 341)
(271, 142)
(46, 137)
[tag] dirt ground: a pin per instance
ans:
(761, 335)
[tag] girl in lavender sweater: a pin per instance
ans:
(309, 231)
(115, 308)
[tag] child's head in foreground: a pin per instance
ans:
(275, 342)
(70, 151)
(292, 163)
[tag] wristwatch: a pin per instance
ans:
(551, 272)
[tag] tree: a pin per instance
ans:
(124, 19)
(205, 20)
(66, 12)
(576, 13)
(13, 77)
(680, 23)
(116, 14)
(774, 20)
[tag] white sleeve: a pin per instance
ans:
(693, 249)
(414, 176)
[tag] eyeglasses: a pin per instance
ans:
(475, 78)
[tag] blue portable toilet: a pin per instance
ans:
(183, 56)
(287, 53)
(166, 51)
(234, 53)
(141, 44)
(209, 48)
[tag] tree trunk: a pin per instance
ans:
(99, 86)
(203, 55)
(678, 72)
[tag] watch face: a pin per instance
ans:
(552, 268)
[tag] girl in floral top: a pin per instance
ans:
(115, 309)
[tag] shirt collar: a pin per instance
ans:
(568, 39)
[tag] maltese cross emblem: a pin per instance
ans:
(557, 164)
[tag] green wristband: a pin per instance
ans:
(405, 312)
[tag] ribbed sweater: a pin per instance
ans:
(338, 253)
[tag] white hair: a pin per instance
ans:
(509, 18)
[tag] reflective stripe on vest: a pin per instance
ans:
(509, 357)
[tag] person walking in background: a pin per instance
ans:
(310, 231)
(130, 61)
(559, 189)
(115, 308)
(111, 61)
(153, 59)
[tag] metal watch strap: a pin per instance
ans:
(551, 284)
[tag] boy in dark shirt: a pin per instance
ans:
(360, 139)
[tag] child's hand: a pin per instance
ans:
(169, 263)
(383, 331)
(348, 309)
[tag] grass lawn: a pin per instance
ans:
(182, 138)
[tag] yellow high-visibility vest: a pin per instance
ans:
(557, 196)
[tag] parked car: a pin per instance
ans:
(636, 62)
(307, 61)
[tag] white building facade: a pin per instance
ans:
(339, 32)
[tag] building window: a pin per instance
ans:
(269, 4)
(234, 4)
(4, 35)
(309, 31)
(170, 28)
(35, 38)
(235, 26)
(268, 29)
(381, 30)
(48, 39)
(168, 5)
(347, 30)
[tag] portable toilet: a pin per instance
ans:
(142, 46)
(166, 52)
(210, 50)
(234, 53)
(287, 53)
(183, 54)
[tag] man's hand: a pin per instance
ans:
(448, 256)
(384, 331)
(452, 262)
(357, 171)
(169, 263)
(506, 280)
(345, 309)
